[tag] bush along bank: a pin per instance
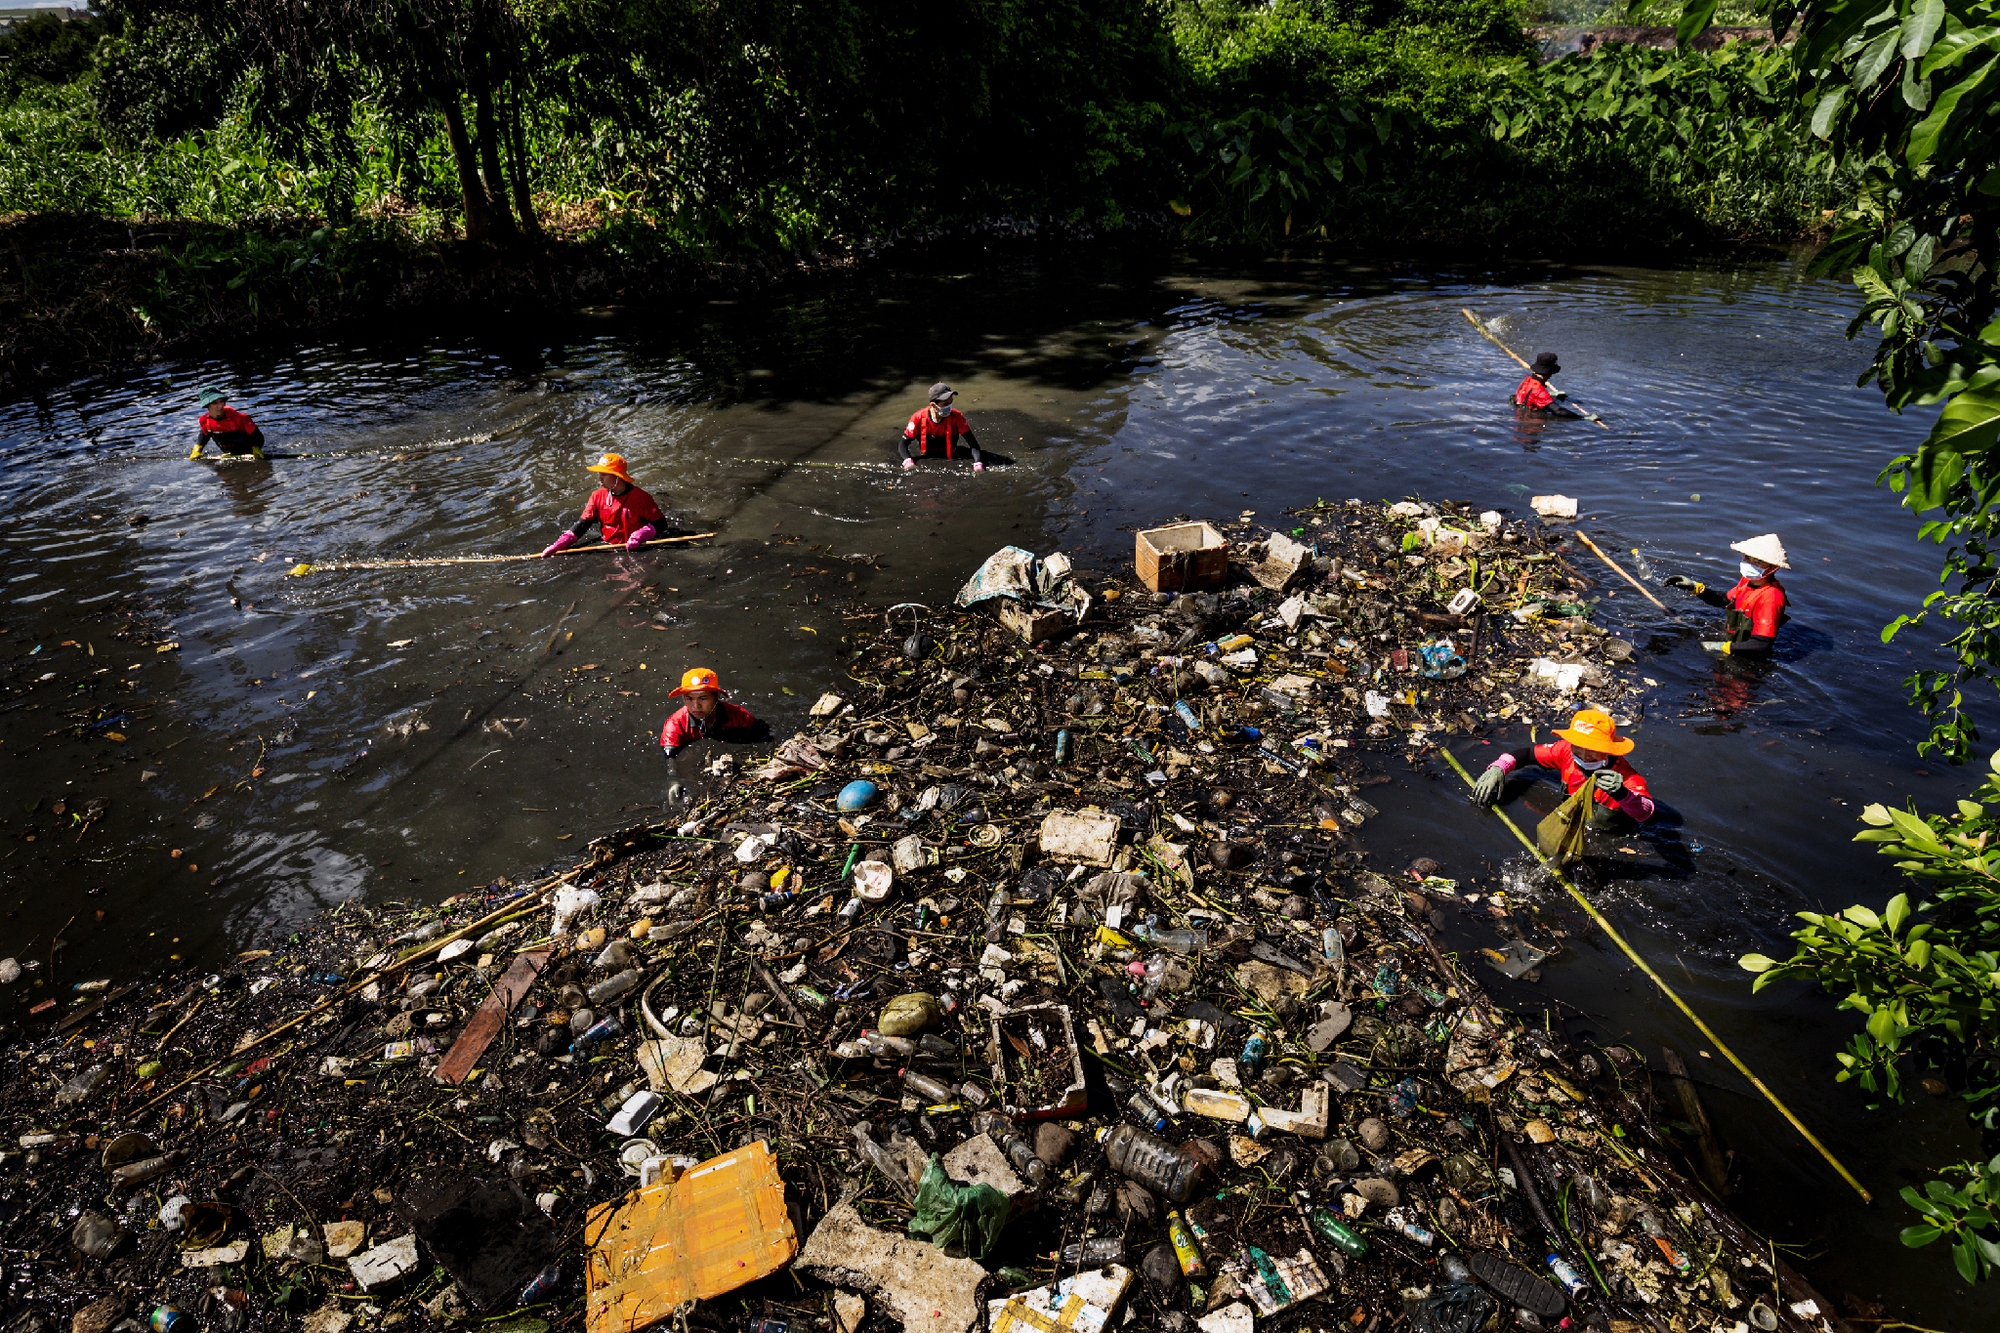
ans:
(1003, 995)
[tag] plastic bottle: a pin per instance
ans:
(1155, 977)
(1410, 1229)
(1185, 1250)
(926, 1087)
(1180, 939)
(1063, 742)
(85, 1083)
(776, 902)
(1338, 1234)
(544, 1283)
(1572, 1281)
(1150, 1112)
(1095, 1252)
(609, 989)
(1187, 717)
(1649, 1222)
(1019, 1151)
(607, 1026)
(1252, 1059)
(887, 1163)
(1153, 1162)
(1332, 946)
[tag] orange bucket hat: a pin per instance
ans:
(613, 465)
(1593, 729)
(700, 679)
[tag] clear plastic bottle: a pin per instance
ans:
(1181, 939)
(86, 1082)
(1094, 1253)
(612, 987)
(1153, 1162)
(932, 1090)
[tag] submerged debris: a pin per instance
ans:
(1040, 984)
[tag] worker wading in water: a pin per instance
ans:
(233, 433)
(939, 427)
(1756, 604)
(1534, 395)
(708, 715)
(1589, 751)
(626, 513)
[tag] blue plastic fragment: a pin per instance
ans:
(857, 795)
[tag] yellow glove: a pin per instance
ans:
(195, 452)
(256, 451)
(1721, 646)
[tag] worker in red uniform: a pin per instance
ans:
(626, 513)
(708, 716)
(1757, 602)
(232, 432)
(941, 428)
(1534, 394)
(1590, 751)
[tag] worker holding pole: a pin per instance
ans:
(628, 515)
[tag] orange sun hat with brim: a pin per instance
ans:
(1593, 729)
(701, 678)
(613, 465)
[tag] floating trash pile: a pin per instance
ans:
(1040, 983)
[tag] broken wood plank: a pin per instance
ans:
(492, 1012)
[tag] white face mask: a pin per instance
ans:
(1749, 570)
(1588, 765)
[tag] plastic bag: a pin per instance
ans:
(1453, 1309)
(1560, 835)
(955, 1216)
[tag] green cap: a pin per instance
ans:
(212, 395)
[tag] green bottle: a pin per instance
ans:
(1338, 1235)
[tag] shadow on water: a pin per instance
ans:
(406, 733)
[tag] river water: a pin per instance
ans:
(408, 733)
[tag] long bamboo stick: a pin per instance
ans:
(302, 569)
(1621, 570)
(1706, 1031)
(1487, 334)
(806, 462)
(524, 901)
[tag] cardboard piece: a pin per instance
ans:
(1084, 1303)
(721, 1225)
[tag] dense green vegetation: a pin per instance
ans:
(738, 129)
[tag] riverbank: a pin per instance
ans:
(1264, 1024)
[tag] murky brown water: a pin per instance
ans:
(401, 734)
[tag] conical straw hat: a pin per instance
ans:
(1766, 549)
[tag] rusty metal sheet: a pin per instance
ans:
(492, 1012)
(722, 1225)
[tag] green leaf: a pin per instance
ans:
(1919, 953)
(1918, 1236)
(1694, 21)
(1931, 129)
(1862, 916)
(1920, 27)
(1896, 912)
(1878, 814)
(1963, 1255)
(1874, 58)
(1756, 962)
(1882, 1026)
(1822, 117)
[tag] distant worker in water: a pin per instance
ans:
(707, 715)
(626, 513)
(233, 433)
(1757, 602)
(1534, 394)
(1590, 751)
(941, 424)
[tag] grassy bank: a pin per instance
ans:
(155, 196)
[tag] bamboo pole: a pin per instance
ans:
(522, 902)
(1487, 334)
(803, 462)
(1706, 1031)
(302, 569)
(1622, 574)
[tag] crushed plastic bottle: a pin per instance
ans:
(86, 1082)
(1153, 1162)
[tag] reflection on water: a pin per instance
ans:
(405, 733)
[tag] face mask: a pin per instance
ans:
(1749, 570)
(1588, 765)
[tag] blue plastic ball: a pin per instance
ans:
(857, 795)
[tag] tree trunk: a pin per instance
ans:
(478, 214)
(489, 156)
(517, 163)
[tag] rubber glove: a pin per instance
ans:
(909, 463)
(1559, 395)
(256, 451)
(1487, 790)
(979, 467)
(562, 543)
(1609, 781)
(195, 452)
(640, 537)
(1721, 646)
(1683, 581)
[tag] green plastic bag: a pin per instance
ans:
(1560, 835)
(955, 1216)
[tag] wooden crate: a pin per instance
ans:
(1182, 556)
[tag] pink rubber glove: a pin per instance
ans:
(909, 463)
(562, 543)
(979, 467)
(640, 537)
